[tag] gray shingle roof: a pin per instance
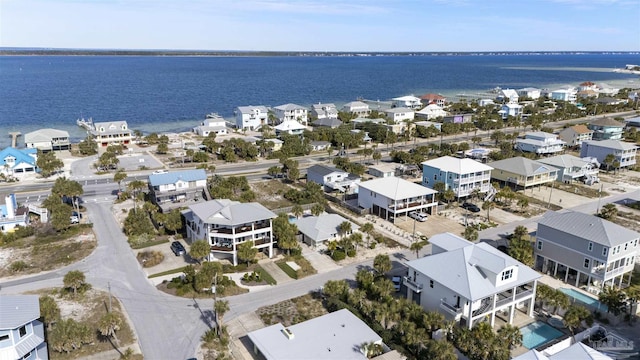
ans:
(44, 135)
(17, 310)
(564, 161)
(289, 107)
(589, 227)
(327, 122)
(461, 269)
(607, 122)
(227, 212)
(522, 166)
(174, 176)
(611, 144)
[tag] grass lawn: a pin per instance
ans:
(306, 268)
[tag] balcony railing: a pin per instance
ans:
(453, 309)
(412, 284)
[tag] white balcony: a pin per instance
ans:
(410, 284)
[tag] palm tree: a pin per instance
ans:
(74, 280)
(608, 161)
(613, 298)
(609, 211)
(382, 264)
(109, 324)
(633, 295)
(439, 350)
(118, 177)
(220, 307)
(511, 335)
(297, 211)
(418, 245)
(367, 228)
(317, 209)
(523, 203)
(574, 316)
(488, 205)
(470, 233)
(344, 228)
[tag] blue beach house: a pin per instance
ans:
(460, 175)
(18, 161)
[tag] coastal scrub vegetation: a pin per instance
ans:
(48, 163)
(235, 188)
(196, 281)
(406, 327)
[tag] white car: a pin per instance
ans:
(418, 216)
(158, 172)
(396, 283)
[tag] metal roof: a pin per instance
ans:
(227, 212)
(323, 170)
(396, 188)
(606, 121)
(323, 227)
(289, 107)
(457, 165)
(289, 125)
(17, 310)
(249, 109)
(611, 144)
(565, 161)
(588, 227)
(327, 122)
(337, 335)
(174, 176)
(523, 166)
(461, 269)
(44, 135)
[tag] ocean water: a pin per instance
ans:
(172, 93)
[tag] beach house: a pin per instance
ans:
(575, 135)
(357, 108)
(522, 172)
(324, 111)
(529, 92)
(431, 111)
(391, 197)
(291, 112)
(226, 224)
(318, 230)
(462, 176)
(572, 168)
(470, 283)
(177, 186)
(400, 114)
(408, 101)
(15, 162)
(606, 129)
(624, 153)
(540, 142)
(111, 132)
(568, 95)
(332, 178)
(47, 140)
(251, 117)
(436, 99)
(584, 250)
(510, 109)
(213, 123)
(21, 331)
(11, 215)
(507, 96)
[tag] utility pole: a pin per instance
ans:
(599, 197)
(214, 290)
(109, 286)
(550, 192)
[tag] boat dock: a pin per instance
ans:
(85, 124)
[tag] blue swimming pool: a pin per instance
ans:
(584, 299)
(538, 333)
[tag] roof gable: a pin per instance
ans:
(522, 166)
(17, 310)
(588, 227)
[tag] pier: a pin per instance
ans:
(14, 137)
(85, 124)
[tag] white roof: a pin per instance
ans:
(323, 227)
(44, 135)
(611, 144)
(398, 110)
(289, 107)
(396, 188)
(289, 125)
(406, 98)
(456, 165)
(463, 269)
(337, 335)
(577, 351)
(249, 109)
(227, 212)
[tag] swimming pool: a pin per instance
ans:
(584, 299)
(538, 333)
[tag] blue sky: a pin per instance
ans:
(324, 25)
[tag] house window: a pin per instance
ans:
(22, 331)
(604, 251)
(590, 247)
(4, 337)
(625, 246)
(435, 177)
(635, 243)
(539, 245)
(431, 284)
(27, 355)
(586, 263)
(507, 274)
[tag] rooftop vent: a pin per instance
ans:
(288, 333)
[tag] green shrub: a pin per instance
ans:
(24, 231)
(18, 266)
(351, 253)
(338, 255)
(372, 245)
(150, 258)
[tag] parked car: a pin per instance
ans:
(177, 248)
(396, 282)
(418, 216)
(74, 220)
(158, 172)
(471, 207)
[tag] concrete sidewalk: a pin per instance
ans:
(321, 262)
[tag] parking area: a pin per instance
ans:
(135, 160)
(435, 224)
